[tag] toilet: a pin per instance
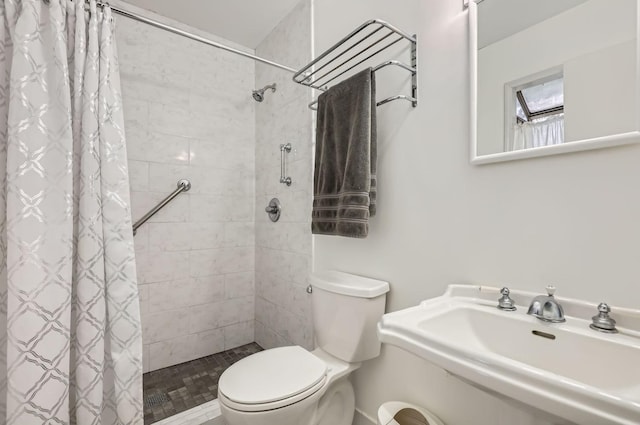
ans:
(292, 386)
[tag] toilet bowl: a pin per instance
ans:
(292, 386)
(287, 386)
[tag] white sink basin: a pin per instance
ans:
(567, 369)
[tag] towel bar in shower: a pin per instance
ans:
(183, 186)
(362, 44)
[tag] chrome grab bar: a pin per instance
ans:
(183, 186)
(284, 149)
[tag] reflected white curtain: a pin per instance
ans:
(544, 132)
(70, 335)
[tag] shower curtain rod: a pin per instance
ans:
(195, 37)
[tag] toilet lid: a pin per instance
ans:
(272, 375)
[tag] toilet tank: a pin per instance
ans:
(346, 310)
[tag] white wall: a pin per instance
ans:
(571, 220)
(501, 18)
(599, 64)
(189, 114)
(600, 93)
(283, 249)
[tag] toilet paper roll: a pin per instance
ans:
(410, 416)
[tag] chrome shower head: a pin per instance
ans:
(258, 95)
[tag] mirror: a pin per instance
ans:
(552, 76)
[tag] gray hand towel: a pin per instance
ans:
(345, 164)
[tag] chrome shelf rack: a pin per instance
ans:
(355, 49)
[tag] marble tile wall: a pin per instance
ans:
(283, 249)
(189, 114)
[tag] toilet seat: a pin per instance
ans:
(272, 379)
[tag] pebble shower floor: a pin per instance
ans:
(177, 388)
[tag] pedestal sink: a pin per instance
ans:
(567, 369)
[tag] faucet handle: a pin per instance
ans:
(602, 321)
(505, 302)
(551, 290)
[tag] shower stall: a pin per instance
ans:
(217, 279)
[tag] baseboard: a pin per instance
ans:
(361, 418)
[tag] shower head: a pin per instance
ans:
(258, 95)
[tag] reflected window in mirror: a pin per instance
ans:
(565, 70)
(536, 113)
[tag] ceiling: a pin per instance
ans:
(246, 22)
(498, 19)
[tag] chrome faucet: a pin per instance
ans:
(547, 308)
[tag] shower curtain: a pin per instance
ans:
(70, 335)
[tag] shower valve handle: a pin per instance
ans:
(274, 209)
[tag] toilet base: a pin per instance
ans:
(337, 406)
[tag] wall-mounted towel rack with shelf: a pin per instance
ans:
(353, 50)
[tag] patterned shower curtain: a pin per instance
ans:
(70, 335)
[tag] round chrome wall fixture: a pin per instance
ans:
(184, 184)
(273, 209)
